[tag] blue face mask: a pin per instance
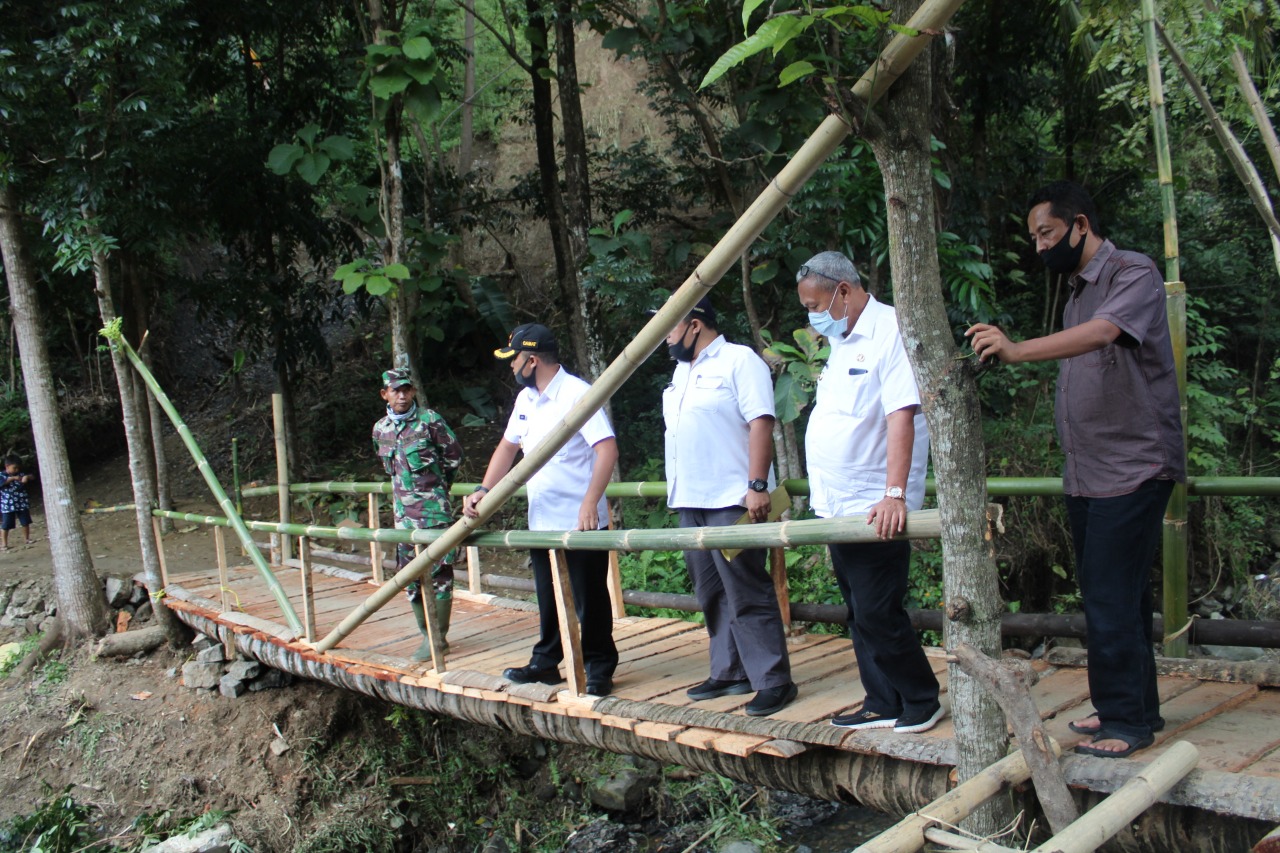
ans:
(826, 325)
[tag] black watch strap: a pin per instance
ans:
(758, 485)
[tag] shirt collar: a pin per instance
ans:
(711, 349)
(553, 387)
(1093, 269)
(866, 325)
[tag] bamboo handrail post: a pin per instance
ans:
(236, 494)
(781, 588)
(220, 549)
(427, 597)
(614, 581)
(164, 567)
(570, 631)
(1174, 532)
(282, 471)
(375, 553)
(474, 583)
(907, 835)
(220, 495)
(308, 590)
(1137, 795)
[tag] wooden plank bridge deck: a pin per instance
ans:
(1234, 723)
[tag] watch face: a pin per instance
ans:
(758, 485)
(893, 492)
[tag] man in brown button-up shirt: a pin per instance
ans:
(1118, 422)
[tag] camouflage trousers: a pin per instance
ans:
(441, 572)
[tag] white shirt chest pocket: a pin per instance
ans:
(708, 393)
(851, 390)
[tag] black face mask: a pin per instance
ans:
(527, 380)
(1062, 257)
(681, 351)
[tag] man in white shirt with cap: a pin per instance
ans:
(567, 494)
(719, 413)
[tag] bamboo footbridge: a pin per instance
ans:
(1230, 712)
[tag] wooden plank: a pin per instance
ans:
(778, 572)
(1208, 699)
(740, 745)
(1267, 766)
(1238, 737)
(697, 738)
(779, 748)
(613, 581)
(657, 731)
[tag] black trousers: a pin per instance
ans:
(741, 608)
(588, 578)
(892, 666)
(1115, 543)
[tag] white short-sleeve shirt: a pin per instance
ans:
(556, 492)
(866, 379)
(708, 408)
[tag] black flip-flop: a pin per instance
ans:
(1157, 726)
(1133, 744)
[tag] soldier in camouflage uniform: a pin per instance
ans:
(421, 454)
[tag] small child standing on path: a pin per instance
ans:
(14, 503)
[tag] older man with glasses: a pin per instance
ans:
(867, 449)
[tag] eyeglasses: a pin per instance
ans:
(805, 271)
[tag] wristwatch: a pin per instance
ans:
(894, 492)
(758, 485)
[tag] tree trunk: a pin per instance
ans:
(577, 196)
(136, 434)
(949, 393)
(76, 584)
(467, 133)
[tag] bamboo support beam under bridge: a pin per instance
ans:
(930, 18)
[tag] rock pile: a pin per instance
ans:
(231, 678)
(26, 605)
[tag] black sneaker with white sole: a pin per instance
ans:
(864, 719)
(920, 721)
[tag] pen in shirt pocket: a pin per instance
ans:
(856, 371)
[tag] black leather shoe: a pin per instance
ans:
(771, 700)
(713, 689)
(530, 674)
(600, 686)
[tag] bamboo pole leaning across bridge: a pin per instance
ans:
(930, 18)
(220, 495)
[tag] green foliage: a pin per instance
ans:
(26, 647)
(377, 280)
(800, 367)
(59, 825)
(307, 156)
(731, 810)
(406, 66)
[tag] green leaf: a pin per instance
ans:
(338, 147)
(308, 133)
(773, 33)
(378, 285)
(352, 284)
(312, 167)
(422, 72)
(390, 82)
(380, 53)
(546, 74)
(397, 271)
(430, 284)
(789, 398)
(424, 103)
(345, 271)
(419, 48)
(764, 273)
(747, 8)
(621, 39)
(622, 217)
(282, 158)
(795, 71)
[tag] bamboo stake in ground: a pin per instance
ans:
(375, 553)
(1020, 711)
(426, 591)
(907, 835)
(282, 471)
(614, 581)
(164, 567)
(570, 632)
(781, 589)
(220, 495)
(473, 571)
(224, 583)
(1134, 797)
(308, 590)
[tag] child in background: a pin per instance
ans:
(14, 503)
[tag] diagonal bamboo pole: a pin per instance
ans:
(1174, 530)
(928, 19)
(220, 495)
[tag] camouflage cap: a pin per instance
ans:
(396, 378)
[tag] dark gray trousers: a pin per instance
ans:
(740, 606)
